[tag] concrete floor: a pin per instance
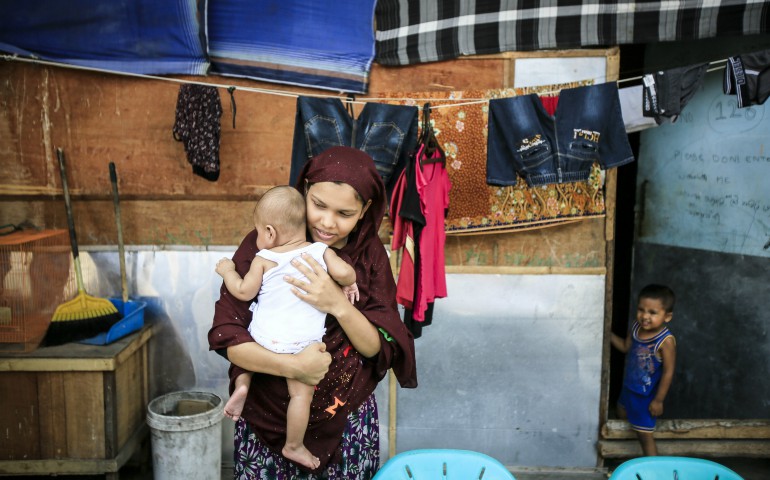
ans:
(748, 468)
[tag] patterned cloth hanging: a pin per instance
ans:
(198, 111)
(474, 206)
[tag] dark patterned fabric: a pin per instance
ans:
(417, 31)
(360, 452)
(198, 111)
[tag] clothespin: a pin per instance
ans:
(432, 152)
(426, 126)
(349, 106)
(231, 91)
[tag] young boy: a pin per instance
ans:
(650, 361)
(282, 322)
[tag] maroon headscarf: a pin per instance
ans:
(351, 378)
(356, 168)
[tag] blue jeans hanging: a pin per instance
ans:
(387, 133)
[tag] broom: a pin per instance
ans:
(84, 316)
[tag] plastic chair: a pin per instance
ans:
(672, 468)
(443, 464)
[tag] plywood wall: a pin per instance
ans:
(97, 118)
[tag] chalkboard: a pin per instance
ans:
(704, 226)
(705, 180)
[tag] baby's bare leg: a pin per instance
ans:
(297, 416)
(234, 406)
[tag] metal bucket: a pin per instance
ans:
(186, 432)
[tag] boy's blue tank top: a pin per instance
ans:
(643, 370)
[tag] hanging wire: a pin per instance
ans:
(445, 102)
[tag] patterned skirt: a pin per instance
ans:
(360, 452)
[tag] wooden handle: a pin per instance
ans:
(70, 218)
(121, 247)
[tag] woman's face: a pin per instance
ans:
(333, 210)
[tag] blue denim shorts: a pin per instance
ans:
(638, 410)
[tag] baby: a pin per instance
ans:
(282, 322)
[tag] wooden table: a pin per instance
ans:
(74, 408)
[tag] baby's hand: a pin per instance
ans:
(351, 291)
(225, 265)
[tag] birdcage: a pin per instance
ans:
(36, 275)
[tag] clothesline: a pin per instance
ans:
(361, 101)
(715, 62)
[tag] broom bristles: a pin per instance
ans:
(82, 317)
(82, 307)
(75, 330)
(67, 317)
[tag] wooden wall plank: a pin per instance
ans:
(129, 405)
(19, 416)
(53, 468)
(572, 245)
(53, 416)
(145, 222)
(482, 72)
(701, 448)
(109, 395)
(23, 159)
(690, 429)
(83, 414)
(178, 222)
(97, 118)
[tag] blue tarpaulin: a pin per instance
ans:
(325, 44)
(135, 36)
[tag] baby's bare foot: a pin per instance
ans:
(302, 456)
(234, 406)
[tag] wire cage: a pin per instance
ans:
(36, 275)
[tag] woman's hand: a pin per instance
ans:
(312, 363)
(320, 291)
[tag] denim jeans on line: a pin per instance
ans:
(387, 133)
(525, 139)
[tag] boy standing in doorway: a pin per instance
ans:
(650, 350)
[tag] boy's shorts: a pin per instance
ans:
(638, 410)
